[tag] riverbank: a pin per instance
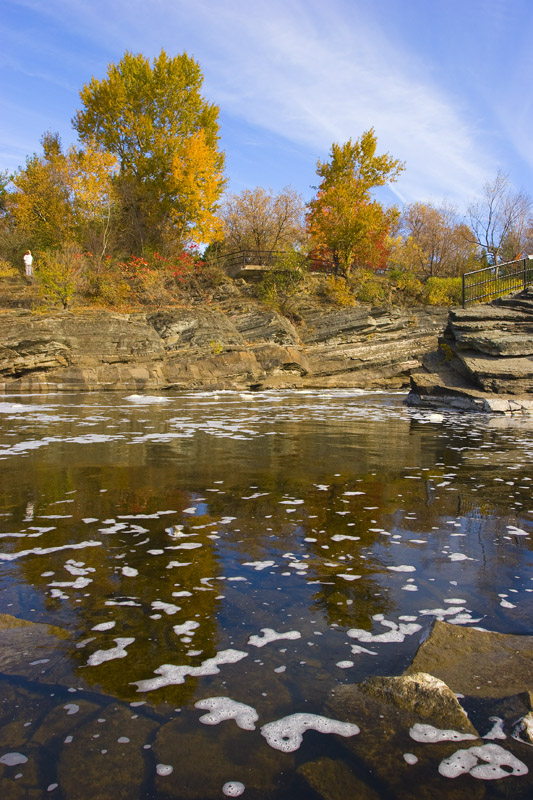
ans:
(232, 343)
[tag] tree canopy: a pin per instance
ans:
(345, 223)
(153, 118)
(257, 219)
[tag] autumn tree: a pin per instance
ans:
(498, 221)
(434, 242)
(62, 197)
(346, 225)
(39, 203)
(257, 219)
(153, 118)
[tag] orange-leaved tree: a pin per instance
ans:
(346, 225)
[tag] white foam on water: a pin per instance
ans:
(291, 502)
(496, 732)
(104, 626)
(344, 664)
(484, 762)
(442, 612)
(429, 734)
(357, 649)
(187, 628)
(259, 565)
(121, 603)
(44, 551)
(459, 557)
(191, 510)
(172, 564)
(172, 674)
(233, 789)
(71, 708)
(410, 587)
(109, 655)
(79, 583)
(516, 531)
(13, 759)
(224, 708)
(348, 576)
(187, 546)
(410, 758)
(286, 734)
(164, 769)
(129, 572)
(340, 537)
(396, 633)
(270, 635)
(168, 608)
(402, 568)
(144, 400)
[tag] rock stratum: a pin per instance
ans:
(235, 344)
(484, 361)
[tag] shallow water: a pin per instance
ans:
(261, 547)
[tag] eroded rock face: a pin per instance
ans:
(238, 345)
(486, 350)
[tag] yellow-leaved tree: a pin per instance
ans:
(153, 118)
(346, 225)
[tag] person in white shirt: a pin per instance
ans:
(28, 263)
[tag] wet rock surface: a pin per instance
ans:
(476, 662)
(239, 344)
(423, 695)
(484, 361)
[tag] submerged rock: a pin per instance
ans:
(334, 780)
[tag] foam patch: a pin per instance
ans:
(286, 734)
(223, 708)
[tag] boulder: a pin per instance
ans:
(424, 695)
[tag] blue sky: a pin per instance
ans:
(445, 83)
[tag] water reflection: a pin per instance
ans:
(159, 536)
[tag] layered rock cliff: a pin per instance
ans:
(235, 344)
(484, 361)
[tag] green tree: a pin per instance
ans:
(346, 225)
(153, 118)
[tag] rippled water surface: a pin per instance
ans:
(261, 548)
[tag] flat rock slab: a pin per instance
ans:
(476, 662)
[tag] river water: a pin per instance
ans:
(262, 548)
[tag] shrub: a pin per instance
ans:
(282, 282)
(337, 291)
(60, 273)
(443, 291)
(7, 270)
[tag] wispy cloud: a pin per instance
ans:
(309, 73)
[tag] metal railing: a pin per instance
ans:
(486, 284)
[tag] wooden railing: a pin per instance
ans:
(486, 284)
